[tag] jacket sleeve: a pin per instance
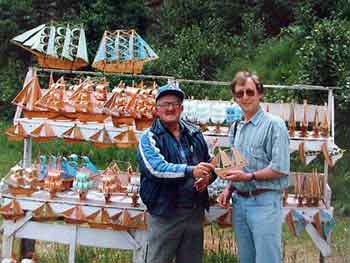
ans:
(153, 163)
(208, 158)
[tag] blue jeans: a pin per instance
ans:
(257, 222)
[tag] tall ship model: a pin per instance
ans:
(123, 51)
(60, 46)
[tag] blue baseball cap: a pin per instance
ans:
(170, 88)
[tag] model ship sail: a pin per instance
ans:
(12, 211)
(325, 123)
(100, 219)
(30, 93)
(54, 98)
(237, 161)
(73, 135)
(121, 106)
(292, 121)
(56, 46)
(101, 139)
(304, 123)
(74, 215)
(125, 139)
(123, 51)
(43, 133)
(44, 213)
(316, 125)
(16, 133)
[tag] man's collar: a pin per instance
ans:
(158, 127)
(257, 117)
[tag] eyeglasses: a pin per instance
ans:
(167, 105)
(248, 92)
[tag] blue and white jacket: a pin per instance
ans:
(166, 174)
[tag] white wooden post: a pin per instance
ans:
(7, 242)
(27, 152)
(73, 245)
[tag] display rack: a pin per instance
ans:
(135, 239)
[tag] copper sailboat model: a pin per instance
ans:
(125, 139)
(226, 163)
(101, 139)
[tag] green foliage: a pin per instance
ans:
(274, 61)
(98, 16)
(219, 257)
(324, 58)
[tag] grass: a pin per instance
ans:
(219, 243)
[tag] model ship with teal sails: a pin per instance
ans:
(123, 51)
(60, 46)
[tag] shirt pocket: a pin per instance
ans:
(258, 158)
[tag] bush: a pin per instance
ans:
(324, 58)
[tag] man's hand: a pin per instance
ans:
(201, 184)
(238, 176)
(202, 170)
(224, 198)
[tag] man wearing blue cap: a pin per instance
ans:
(175, 171)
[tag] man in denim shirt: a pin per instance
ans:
(263, 141)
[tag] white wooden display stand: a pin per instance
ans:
(71, 234)
(74, 235)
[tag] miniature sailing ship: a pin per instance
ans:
(101, 219)
(126, 221)
(316, 125)
(16, 132)
(73, 135)
(43, 133)
(125, 139)
(101, 139)
(22, 181)
(112, 181)
(86, 104)
(12, 211)
(298, 188)
(226, 163)
(308, 188)
(27, 98)
(123, 51)
(325, 124)
(304, 123)
(55, 102)
(56, 46)
(292, 121)
(44, 213)
(53, 182)
(312, 189)
(121, 106)
(145, 107)
(74, 215)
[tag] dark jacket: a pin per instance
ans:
(166, 180)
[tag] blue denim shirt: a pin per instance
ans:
(263, 141)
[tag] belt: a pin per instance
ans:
(253, 192)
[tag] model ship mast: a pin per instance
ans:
(304, 123)
(292, 122)
(325, 123)
(316, 125)
(237, 161)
